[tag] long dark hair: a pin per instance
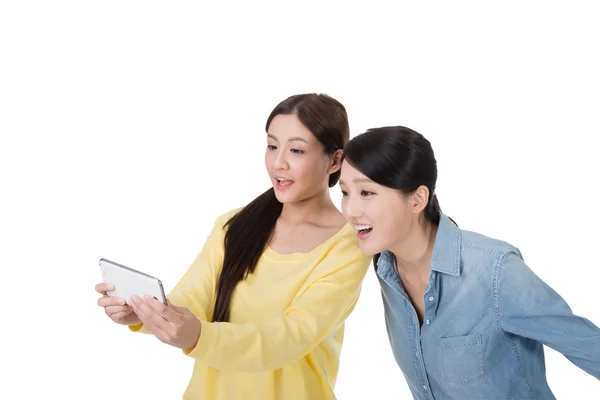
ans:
(398, 158)
(249, 231)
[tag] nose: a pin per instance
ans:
(280, 160)
(353, 208)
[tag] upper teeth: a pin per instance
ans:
(282, 179)
(362, 227)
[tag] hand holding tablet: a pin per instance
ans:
(128, 282)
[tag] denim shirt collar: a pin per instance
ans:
(446, 251)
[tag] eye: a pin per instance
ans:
(344, 193)
(271, 147)
(296, 151)
(365, 193)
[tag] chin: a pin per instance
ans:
(368, 248)
(285, 197)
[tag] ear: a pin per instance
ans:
(336, 162)
(418, 200)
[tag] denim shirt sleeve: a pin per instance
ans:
(526, 306)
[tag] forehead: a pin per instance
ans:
(286, 126)
(351, 175)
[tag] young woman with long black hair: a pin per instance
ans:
(263, 306)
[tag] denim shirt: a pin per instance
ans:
(486, 319)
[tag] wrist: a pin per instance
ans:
(196, 338)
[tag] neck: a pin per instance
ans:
(307, 209)
(414, 252)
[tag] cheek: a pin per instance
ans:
(390, 218)
(374, 211)
(399, 222)
(268, 159)
(309, 169)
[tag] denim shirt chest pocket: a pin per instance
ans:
(461, 358)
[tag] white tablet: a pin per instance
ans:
(128, 282)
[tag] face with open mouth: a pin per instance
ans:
(295, 159)
(380, 215)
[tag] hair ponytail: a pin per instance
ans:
(247, 236)
(433, 210)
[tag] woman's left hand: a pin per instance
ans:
(171, 324)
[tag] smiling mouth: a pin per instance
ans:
(283, 183)
(363, 229)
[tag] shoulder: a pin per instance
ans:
(473, 242)
(341, 261)
(487, 254)
(481, 263)
(343, 248)
(345, 239)
(223, 218)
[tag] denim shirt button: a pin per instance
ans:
(431, 298)
(427, 322)
(425, 387)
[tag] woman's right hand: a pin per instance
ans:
(115, 307)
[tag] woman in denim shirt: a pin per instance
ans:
(466, 317)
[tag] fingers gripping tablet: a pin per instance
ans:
(128, 281)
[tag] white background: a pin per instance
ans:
(127, 127)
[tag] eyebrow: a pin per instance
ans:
(292, 139)
(357, 180)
